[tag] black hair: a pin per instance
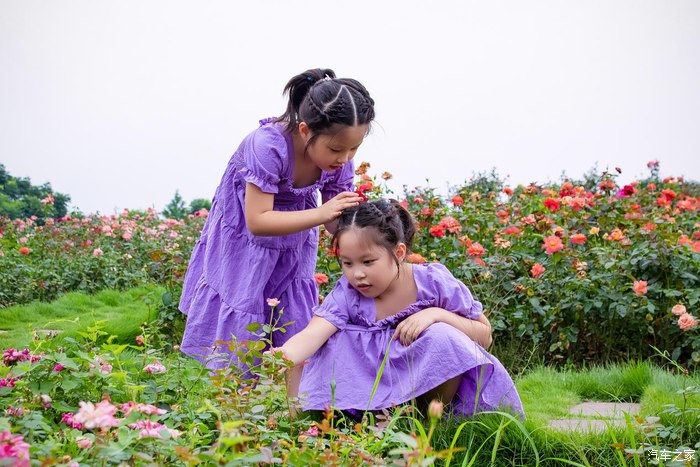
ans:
(322, 101)
(387, 220)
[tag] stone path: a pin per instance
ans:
(595, 416)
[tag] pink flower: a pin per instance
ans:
(155, 368)
(14, 448)
(69, 419)
(320, 278)
(537, 270)
(273, 302)
(678, 310)
(23, 240)
(97, 252)
(552, 244)
(96, 416)
(83, 442)
(687, 321)
(150, 429)
(58, 367)
(8, 382)
(313, 431)
(139, 340)
(147, 409)
(640, 287)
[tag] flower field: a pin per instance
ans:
(576, 272)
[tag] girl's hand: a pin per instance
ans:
(409, 329)
(335, 206)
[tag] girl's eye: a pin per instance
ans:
(345, 263)
(369, 261)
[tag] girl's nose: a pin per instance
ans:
(359, 273)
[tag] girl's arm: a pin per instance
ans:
(305, 343)
(261, 219)
(478, 330)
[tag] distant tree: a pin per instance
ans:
(20, 199)
(199, 203)
(176, 207)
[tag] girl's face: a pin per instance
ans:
(330, 152)
(369, 267)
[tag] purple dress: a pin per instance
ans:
(351, 358)
(232, 272)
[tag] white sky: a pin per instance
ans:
(120, 103)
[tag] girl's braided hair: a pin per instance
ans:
(322, 101)
(388, 222)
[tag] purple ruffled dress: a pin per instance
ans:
(343, 371)
(232, 272)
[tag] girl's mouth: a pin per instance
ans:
(363, 287)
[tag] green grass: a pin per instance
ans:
(547, 393)
(121, 314)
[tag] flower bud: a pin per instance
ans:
(435, 409)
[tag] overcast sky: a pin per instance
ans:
(120, 103)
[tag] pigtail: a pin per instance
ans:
(297, 89)
(409, 226)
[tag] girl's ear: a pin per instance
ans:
(305, 131)
(400, 251)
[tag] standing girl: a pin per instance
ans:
(261, 236)
(418, 321)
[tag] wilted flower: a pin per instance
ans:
(139, 340)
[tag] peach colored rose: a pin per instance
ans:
(640, 287)
(687, 321)
(537, 270)
(552, 244)
(678, 310)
